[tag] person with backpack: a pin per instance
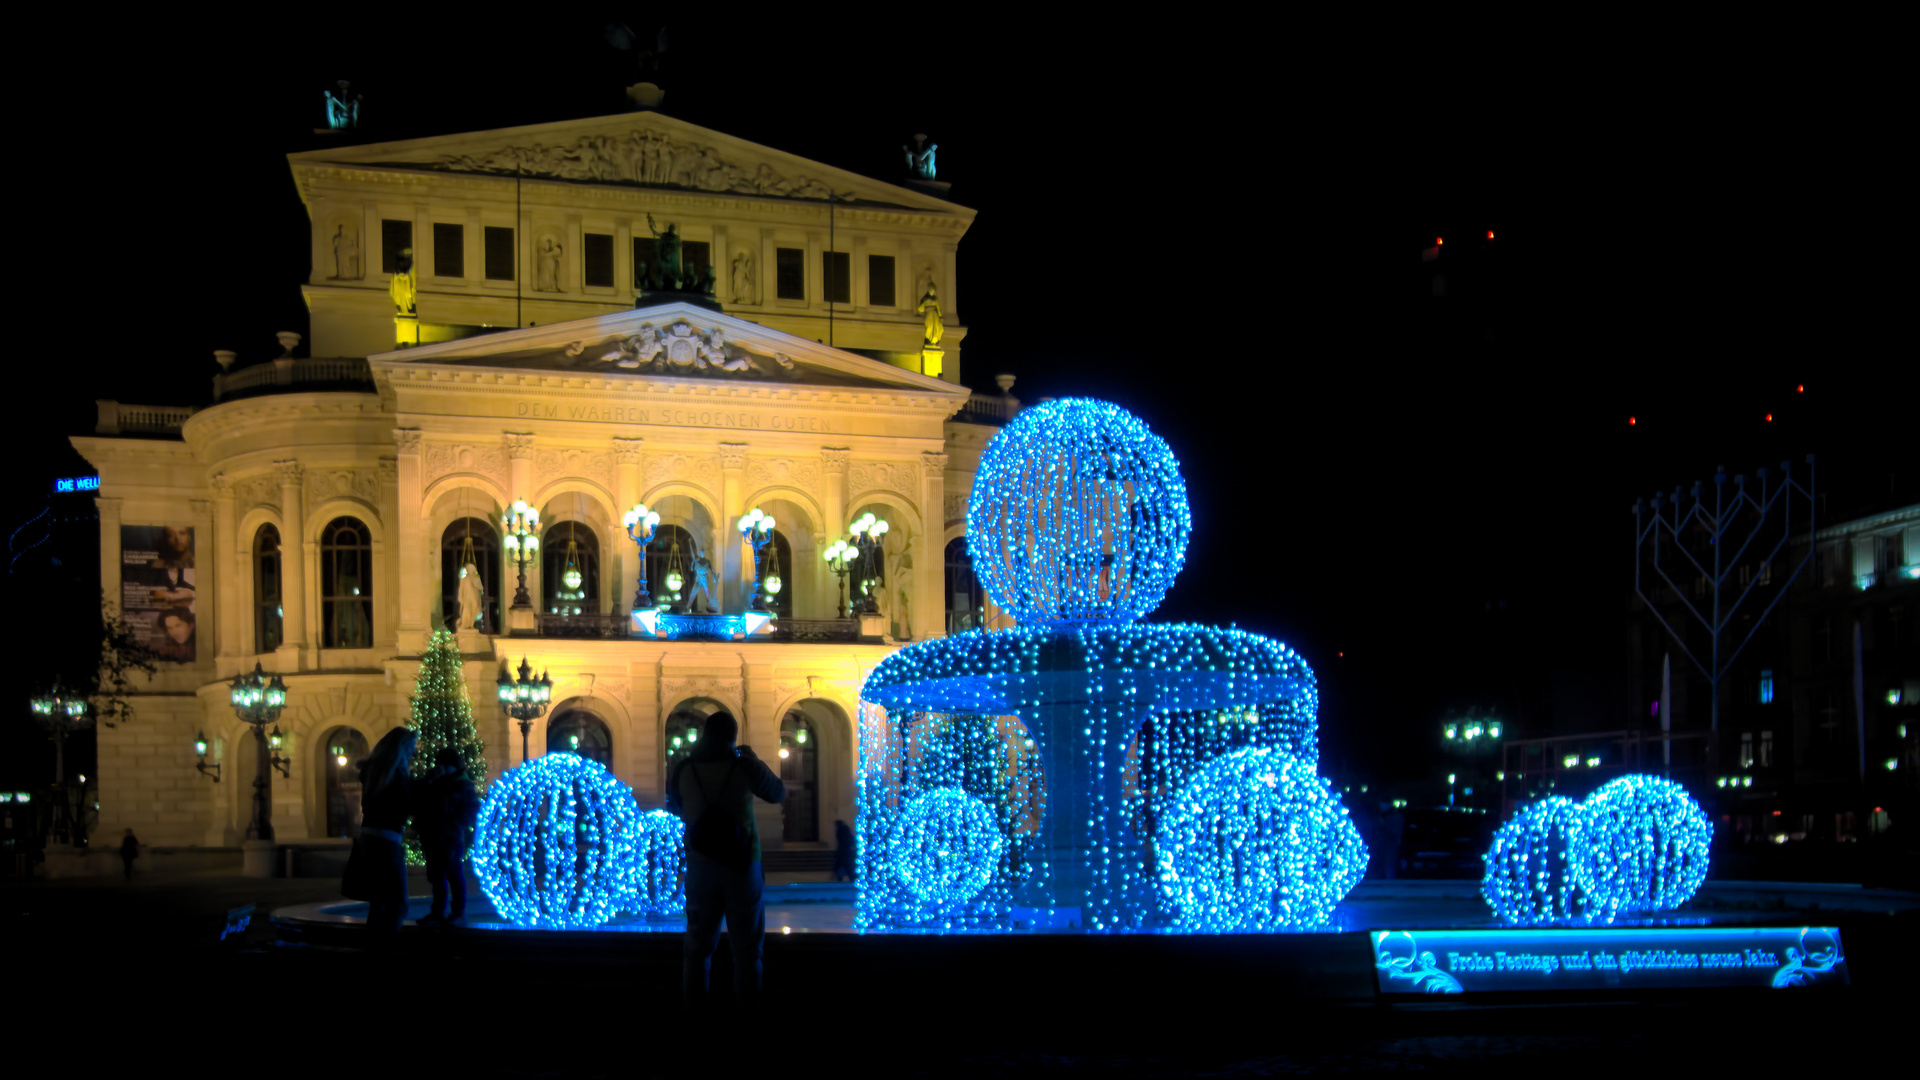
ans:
(712, 791)
(444, 812)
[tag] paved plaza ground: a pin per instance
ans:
(140, 964)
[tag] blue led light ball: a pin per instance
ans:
(556, 843)
(1647, 846)
(1255, 842)
(659, 865)
(1078, 514)
(946, 846)
(1531, 870)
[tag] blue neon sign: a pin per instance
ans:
(1469, 961)
(76, 483)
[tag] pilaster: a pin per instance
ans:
(413, 554)
(930, 568)
(230, 565)
(833, 499)
(629, 558)
(733, 474)
(296, 555)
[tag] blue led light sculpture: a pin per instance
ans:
(556, 843)
(946, 845)
(1063, 747)
(1255, 842)
(659, 866)
(1532, 869)
(1646, 848)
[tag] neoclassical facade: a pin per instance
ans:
(317, 518)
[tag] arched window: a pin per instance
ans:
(579, 732)
(683, 728)
(344, 748)
(778, 558)
(346, 585)
(800, 769)
(570, 570)
(470, 541)
(266, 589)
(670, 543)
(966, 600)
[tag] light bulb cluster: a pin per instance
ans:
(659, 866)
(1078, 514)
(557, 844)
(1255, 842)
(1638, 845)
(946, 846)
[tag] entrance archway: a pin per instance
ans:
(341, 753)
(577, 731)
(800, 771)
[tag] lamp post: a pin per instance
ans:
(61, 713)
(525, 699)
(640, 525)
(200, 747)
(756, 529)
(522, 524)
(257, 703)
(866, 538)
(838, 558)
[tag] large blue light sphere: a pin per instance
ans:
(1531, 871)
(1078, 515)
(556, 843)
(945, 846)
(660, 865)
(1647, 846)
(1256, 842)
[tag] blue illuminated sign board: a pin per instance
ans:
(76, 483)
(1470, 961)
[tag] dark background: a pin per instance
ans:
(1218, 227)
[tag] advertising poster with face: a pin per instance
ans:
(156, 589)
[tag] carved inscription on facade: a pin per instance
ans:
(612, 413)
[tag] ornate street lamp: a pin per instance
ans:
(522, 524)
(62, 713)
(257, 702)
(838, 557)
(200, 747)
(756, 529)
(524, 700)
(640, 525)
(866, 538)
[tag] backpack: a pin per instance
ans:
(717, 834)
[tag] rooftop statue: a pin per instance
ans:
(343, 106)
(402, 285)
(666, 256)
(920, 158)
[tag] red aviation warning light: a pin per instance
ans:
(1438, 240)
(1801, 389)
(1769, 418)
(1631, 421)
(1489, 234)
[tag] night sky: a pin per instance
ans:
(1219, 229)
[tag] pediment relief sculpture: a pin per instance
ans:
(680, 348)
(641, 157)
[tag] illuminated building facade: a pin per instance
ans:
(478, 341)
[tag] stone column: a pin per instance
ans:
(207, 582)
(732, 550)
(833, 500)
(413, 549)
(296, 554)
(520, 486)
(391, 561)
(626, 492)
(929, 599)
(231, 565)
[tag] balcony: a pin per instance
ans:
(348, 373)
(987, 410)
(618, 627)
(161, 421)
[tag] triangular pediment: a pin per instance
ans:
(642, 149)
(679, 341)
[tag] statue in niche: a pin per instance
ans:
(343, 106)
(666, 256)
(920, 158)
(702, 590)
(743, 279)
(547, 266)
(346, 253)
(402, 285)
(930, 307)
(473, 600)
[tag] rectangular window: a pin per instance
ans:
(596, 260)
(695, 257)
(836, 269)
(395, 237)
(1746, 749)
(1766, 749)
(790, 273)
(449, 250)
(500, 260)
(880, 280)
(1766, 687)
(644, 252)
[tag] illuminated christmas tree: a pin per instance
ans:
(442, 715)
